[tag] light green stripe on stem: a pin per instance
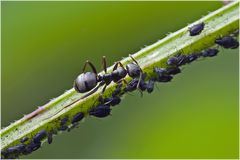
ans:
(219, 23)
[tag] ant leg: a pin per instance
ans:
(135, 61)
(138, 84)
(91, 65)
(104, 64)
(115, 66)
(121, 65)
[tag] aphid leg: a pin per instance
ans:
(104, 64)
(91, 65)
(139, 80)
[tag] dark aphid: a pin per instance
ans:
(150, 86)
(112, 100)
(182, 59)
(177, 60)
(172, 61)
(173, 70)
(50, 137)
(196, 29)
(118, 90)
(166, 78)
(192, 57)
(100, 111)
(39, 136)
(163, 76)
(24, 139)
(142, 85)
(12, 150)
(132, 85)
(64, 121)
(211, 52)
(34, 146)
(227, 42)
(31, 147)
(20, 147)
(63, 125)
(160, 71)
(77, 117)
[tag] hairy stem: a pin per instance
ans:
(219, 23)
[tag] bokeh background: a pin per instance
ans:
(45, 44)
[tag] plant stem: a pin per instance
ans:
(219, 23)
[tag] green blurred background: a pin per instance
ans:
(45, 44)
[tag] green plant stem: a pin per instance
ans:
(219, 23)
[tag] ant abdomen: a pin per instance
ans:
(85, 82)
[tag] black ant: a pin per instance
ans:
(90, 80)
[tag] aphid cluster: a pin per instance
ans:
(91, 81)
(27, 146)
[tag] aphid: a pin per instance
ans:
(177, 60)
(227, 42)
(196, 29)
(64, 121)
(173, 61)
(50, 137)
(12, 150)
(112, 100)
(24, 139)
(89, 80)
(39, 136)
(20, 147)
(166, 78)
(182, 59)
(34, 146)
(192, 57)
(163, 76)
(118, 90)
(131, 86)
(173, 70)
(100, 111)
(211, 52)
(77, 117)
(150, 86)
